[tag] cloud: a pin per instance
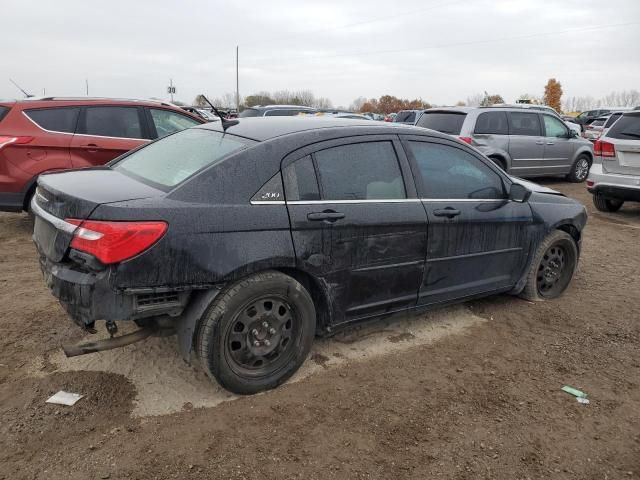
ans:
(442, 50)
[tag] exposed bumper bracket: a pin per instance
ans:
(108, 343)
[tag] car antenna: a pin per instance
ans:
(225, 122)
(28, 95)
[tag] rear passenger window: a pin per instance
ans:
(300, 180)
(360, 171)
(450, 173)
(122, 122)
(492, 123)
(55, 119)
(524, 124)
(3, 112)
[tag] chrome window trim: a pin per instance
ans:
(59, 223)
(403, 200)
(24, 112)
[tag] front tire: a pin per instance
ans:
(605, 204)
(257, 333)
(552, 268)
(579, 169)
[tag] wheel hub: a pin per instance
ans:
(261, 335)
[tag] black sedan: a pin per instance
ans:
(247, 238)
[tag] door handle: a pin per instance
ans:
(447, 212)
(90, 147)
(327, 215)
(550, 143)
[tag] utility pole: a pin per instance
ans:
(86, 81)
(237, 84)
(171, 90)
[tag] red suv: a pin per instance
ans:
(49, 134)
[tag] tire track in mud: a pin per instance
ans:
(166, 384)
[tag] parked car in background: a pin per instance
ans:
(523, 142)
(55, 133)
(614, 177)
(353, 116)
(594, 129)
(339, 222)
(276, 111)
(206, 114)
(390, 117)
(589, 116)
(407, 117)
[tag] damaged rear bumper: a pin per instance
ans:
(88, 296)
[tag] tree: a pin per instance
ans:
(553, 94)
(491, 99)
(475, 100)
(199, 101)
(356, 105)
(260, 98)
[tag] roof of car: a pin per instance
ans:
(264, 107)
(53, 101)
(265, 128)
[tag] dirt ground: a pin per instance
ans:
(468, 392)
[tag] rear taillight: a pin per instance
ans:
(590, 183)
(4, 141)
(113, 242)
(604, 149)
(468, 140)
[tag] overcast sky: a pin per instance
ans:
(440, 50)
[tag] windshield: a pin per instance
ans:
(249, 112)
(445, 122)
(169, 161)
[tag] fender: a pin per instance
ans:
(497, 152)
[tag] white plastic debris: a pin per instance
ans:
(64, 398)
(584, 401)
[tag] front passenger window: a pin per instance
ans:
(554, 127)
(360, 171)
(451, 173)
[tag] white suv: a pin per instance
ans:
(614, 177)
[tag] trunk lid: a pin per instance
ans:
(76, 194)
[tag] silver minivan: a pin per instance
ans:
(523, 142)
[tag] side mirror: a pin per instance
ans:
(572, 133)
(519, 193)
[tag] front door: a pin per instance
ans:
(477, 238)
(357, 224)
(559, 146)
(526, 143)
(106, 132)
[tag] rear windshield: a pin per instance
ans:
(627, 128)
(249, 112)
(3, 112)
(445, 122)
(169, 161)
(405, 117)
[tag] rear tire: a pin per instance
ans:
(605, 204)
(552, 267)
(257, 333)
(579, 169)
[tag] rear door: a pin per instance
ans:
(477, 238)
(49, 149)
(526, 143)
(106, 132)
(357, 224)
(625, 137)
(559, 146)
(492, 130)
